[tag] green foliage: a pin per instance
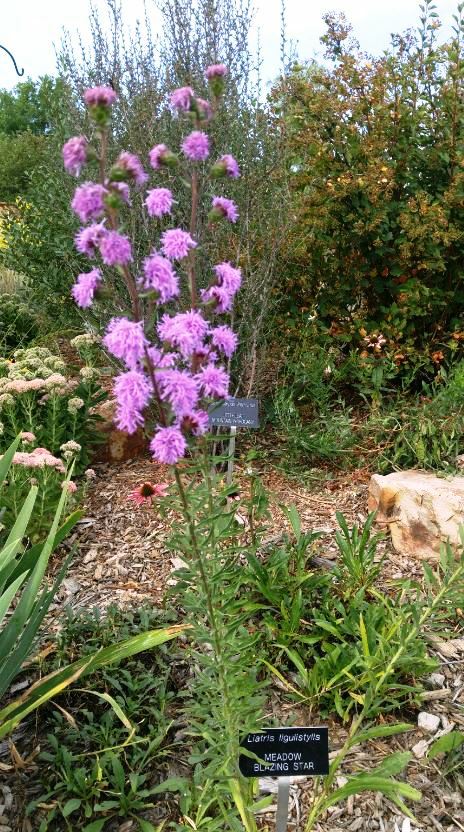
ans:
(307, 408)
(20, 156)
(225, 700)
(423, 433)
(358, 568)
(105, 755)
(18, 569)
(335, 631)
(19, 323)
(376, 168)
(27, 108)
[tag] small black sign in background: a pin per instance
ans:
(286, 752)
(241, 413)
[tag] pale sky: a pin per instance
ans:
(29, 28)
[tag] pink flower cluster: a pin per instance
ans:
(39, 458)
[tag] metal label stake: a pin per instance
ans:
(283, 797)
(231, 454)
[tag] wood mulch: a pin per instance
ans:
(122, 558)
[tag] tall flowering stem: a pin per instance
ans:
(173, 370)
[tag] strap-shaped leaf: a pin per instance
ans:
(7, 458)
(19, 529)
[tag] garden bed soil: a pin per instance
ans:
(123, 559)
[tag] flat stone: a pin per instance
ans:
(428, 722)
(421, 511)
(435, 680)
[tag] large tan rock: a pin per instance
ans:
(420, 510)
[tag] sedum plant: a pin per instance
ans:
(38, 396)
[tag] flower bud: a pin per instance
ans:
(215, 75)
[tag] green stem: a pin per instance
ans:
(236, 787)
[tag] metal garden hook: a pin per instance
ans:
(14, 62)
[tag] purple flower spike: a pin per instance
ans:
(185, 331)
(196, 422)
(196, 146)
(156, 155)
(75, 155)
(115, 249)
(100, 97)
(88, 202)
(160, 276)
(219, 297)
(159, 202)
(133, 392)
(231, 167)
(228, 277)
(176, 243)
(225, 208)
(126, 340)
(168, 445)
(181, 99)
(84, 289)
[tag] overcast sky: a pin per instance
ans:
(30, 28)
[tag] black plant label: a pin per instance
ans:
(285, 752)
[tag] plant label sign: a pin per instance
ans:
(239, 413)
(286, 752)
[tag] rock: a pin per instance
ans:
(421, 510)
(116, 445)
(435, 680)
(429, 723)
(420, 749)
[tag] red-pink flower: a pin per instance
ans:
(147, 492)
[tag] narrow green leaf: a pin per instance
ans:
(446, 744)
(116, 708)
(48, 687)
(95, 826)
(6, 459)
(381, 731)
(70, 806)
(8, 595)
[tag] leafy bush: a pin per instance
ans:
(19, 323)
(307, 407)
(376, 169)
(423, 433)
(39, 396)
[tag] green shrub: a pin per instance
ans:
(376, 167)
(19, 323)
(423, 433)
